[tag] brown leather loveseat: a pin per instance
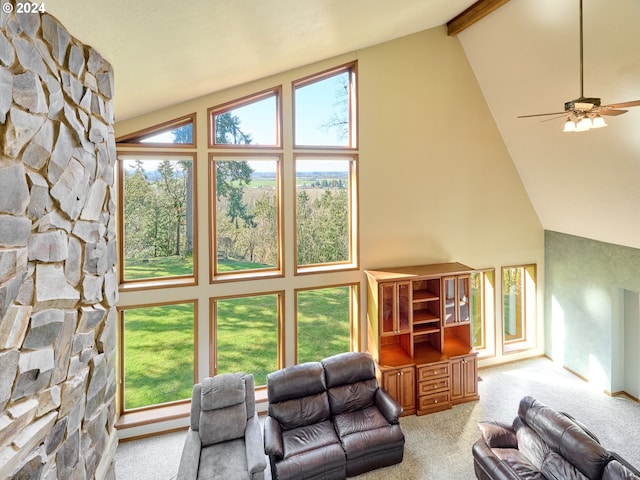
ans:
(544, 444)
(330, 420)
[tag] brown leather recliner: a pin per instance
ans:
(544, 444)
(329, 420)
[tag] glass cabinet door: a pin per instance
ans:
(404, 307)
(396, 307)
(449, 287)
(463, 300)
(387, 298)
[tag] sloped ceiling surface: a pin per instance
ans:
(526, 59)
(525, 56)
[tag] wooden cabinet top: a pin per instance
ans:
(433, 270)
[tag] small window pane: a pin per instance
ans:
(323, 211)
(323, 115)
(513, 308)
(323, 322)
(247, 335)
(157, 217)
(158, 354)
(478, 316)
(252, 123)
(179, 135)
(246, 215)
(178, 132)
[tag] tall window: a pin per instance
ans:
(325, 109)
(325, 213)
(253, 121)
(159, 360)
(246, 215)
(518, 307)
(246, 334)
(325, 318)
(157, 240)
(483, 311)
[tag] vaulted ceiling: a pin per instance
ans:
(525, 56)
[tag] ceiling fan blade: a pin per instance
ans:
(611, 112)
(542, 114)
(634, 103)
(554, 118)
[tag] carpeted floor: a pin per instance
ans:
(438, 446)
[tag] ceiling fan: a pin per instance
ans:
(584, 113)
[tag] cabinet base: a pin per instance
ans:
(436, 408)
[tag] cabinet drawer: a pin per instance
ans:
(427, 401)
(432, 371)
(435, 385)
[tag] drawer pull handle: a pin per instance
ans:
(435, 386)
(436, 401)
(435, 372)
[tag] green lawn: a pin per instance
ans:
(159, 341)
(135, 269)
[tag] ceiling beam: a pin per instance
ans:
(471, 15)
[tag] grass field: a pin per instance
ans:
(159, 341)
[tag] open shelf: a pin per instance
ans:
(424, 316)
(424, 296)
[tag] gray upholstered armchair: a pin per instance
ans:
(224, 439)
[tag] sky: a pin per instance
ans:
(259, 120)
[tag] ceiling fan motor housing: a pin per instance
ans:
(582, 103)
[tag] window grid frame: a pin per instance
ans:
(354, 218)
(162, 282)
(226, 107)
(352, 100)
(213, 329)
(354, 314)
(121, 359)
(133, 139)
(529, 271)
(244, 275)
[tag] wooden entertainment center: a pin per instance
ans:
(419, 333)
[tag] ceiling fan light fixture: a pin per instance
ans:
(569, 125)
(598, 122)
(584, 124)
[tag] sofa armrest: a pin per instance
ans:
(488, 466)
(273, 438)
(190, 459)
(498, 435)
(617, 458)
(256, 461)
(388, 406)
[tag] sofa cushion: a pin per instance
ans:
(347, 368)
(223, 424)
(309, 437)
(498, 435)
(215, 464)
(530, 444)
(555, 467)
(299, 412)
(352, 397)
(564, 437)
(222, 391)
(296, 381)
(326, 463)
(359, 421)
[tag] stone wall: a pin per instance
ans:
(58, 285)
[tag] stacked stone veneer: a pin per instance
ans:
(57, 254)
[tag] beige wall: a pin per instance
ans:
(436, 181)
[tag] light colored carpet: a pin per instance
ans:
(438, 446)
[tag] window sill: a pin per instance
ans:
(172, 412)
(164, 283)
